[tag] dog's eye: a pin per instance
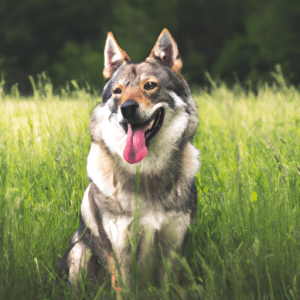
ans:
(117, 91)
(150, 85)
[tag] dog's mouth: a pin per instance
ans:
(154, 125)
(139, 136)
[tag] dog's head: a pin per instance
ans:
(147, 111)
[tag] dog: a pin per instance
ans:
(142, 165)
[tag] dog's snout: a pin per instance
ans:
(129, 109)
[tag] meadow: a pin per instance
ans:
(245, 242)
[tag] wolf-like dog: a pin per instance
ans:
(146, 122)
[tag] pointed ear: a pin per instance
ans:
(114, 56)
(166, 51)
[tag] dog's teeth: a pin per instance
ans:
(151, 124)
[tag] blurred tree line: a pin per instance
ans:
(234, 40)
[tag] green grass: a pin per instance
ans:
(245, 243)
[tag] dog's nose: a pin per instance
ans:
(129, 109)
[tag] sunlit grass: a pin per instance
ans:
(43, 150)
(247, 231)
(245, 243)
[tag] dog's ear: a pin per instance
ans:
(166, 51)
(114, 56)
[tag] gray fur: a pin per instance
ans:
(167, 192)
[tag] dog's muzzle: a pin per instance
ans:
(139, 133)
(129, 110)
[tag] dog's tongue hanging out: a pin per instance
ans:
(135, 149)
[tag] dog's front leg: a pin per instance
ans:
(140, 261)
(172, 237)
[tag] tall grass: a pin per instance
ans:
(245, 242)
(246, 235)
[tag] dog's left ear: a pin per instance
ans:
(114, 56)
(166, 51)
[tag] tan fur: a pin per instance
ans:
(105, 166)
(134, 90)
(176, 63)
(108, 71)
(136, 94)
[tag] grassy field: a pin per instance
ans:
(245, 243)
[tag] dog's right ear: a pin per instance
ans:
(166, 51)
(114, 56)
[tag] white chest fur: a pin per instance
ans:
(170, 222)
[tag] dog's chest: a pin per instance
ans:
(118, 228)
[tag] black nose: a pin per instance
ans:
(129, 109)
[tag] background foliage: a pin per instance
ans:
(234, 40)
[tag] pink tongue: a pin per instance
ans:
(135, 149)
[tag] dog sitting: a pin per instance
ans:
(141, 131)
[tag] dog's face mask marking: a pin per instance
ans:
(136, 95)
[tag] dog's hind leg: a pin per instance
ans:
(77, 263)
(76, 257)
